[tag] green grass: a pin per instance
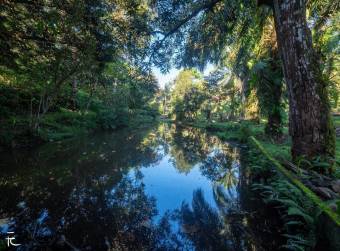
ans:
(242, 130)
(61, 124)
(336, 120)
(65, 124)
(278, 151)
(53, 126)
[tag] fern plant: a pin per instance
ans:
(297, 212)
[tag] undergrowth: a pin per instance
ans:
(64, 123)
(298, 213)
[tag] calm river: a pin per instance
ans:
(163, 188)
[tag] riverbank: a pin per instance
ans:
(16, 132)
(32, 112)
(241, 131)
(300, 217)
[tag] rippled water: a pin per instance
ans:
(165, 188)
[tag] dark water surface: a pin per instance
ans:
(164, 188)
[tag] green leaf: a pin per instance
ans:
(297, 212)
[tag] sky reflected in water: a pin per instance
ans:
(165, 188)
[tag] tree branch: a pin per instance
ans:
(181, 23)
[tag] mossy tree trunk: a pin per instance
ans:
(273, 126)
(310, 123)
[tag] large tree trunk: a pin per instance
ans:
(273, 127)
(310, 123)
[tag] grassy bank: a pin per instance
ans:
(241, 131)
(15, 131)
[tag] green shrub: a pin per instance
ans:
(107, 119)
(297, 212)
(244, 132)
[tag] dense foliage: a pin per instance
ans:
(66, 66)
(264, 74)
(71, 67)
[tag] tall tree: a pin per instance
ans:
(309, 110)
(187, 95)
(201, 29)
(48, 44)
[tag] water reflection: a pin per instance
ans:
(168, 188)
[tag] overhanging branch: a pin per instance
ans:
(184, 21)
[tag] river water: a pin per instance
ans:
(161, 188)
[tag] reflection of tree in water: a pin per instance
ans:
(87, 201)
(115, 218)
(208, 228)
(201, 224)
(97, 216)
(188, 146)
(220, 166)
(94, 201)
(191, 146)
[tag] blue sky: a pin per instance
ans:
(171, 75)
